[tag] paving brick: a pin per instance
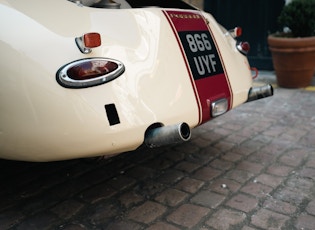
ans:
(67, 209)
(174, 156)
(40, 221)
(264, 140)
(208, 199)
(211, 136)
(235, 138)
(257, 189)
(98, 193)
(121, 182)
(10, 218)
(240, 176)
(279, 170)
(170, 176)
(162, 225)
(293, 157)
(234, 126)
(263, 158)
(255, 168)
(266, 219)
(275, 131)
(225, 219)
(305, 222)
(187, 166)
(305, 184)
(73, 226)
(221, 164)
(140, 172)
(130, 198)
(149, 188)
(279, 206)
(189, 185)
(123, 225)
(200, 142)
(206, 174)
(224, 186)
(224, 145)
(292, 135)
(311, 208)
(222, 130)
(102, 213)
(248, 228)
(188, 149)
(308, 173)
(276, 147)
(291, 195)
(232, 156)
(243, 203)
(159, 163)
(251, 145)
(171, 197)
(147, 212)
(203, 156)
(310, 162)
(188, 215)
(270, 180)
(308, 140)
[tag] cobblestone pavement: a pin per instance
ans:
(252, 168)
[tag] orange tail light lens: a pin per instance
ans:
(88, 41)
(92, 40)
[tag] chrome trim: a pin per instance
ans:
(214, 109)
(80, 43)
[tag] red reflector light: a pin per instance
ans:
(92, 40)
(238, 31)
(89, 72)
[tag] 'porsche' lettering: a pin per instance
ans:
(185, 16)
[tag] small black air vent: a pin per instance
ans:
(112, 114)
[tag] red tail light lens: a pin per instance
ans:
(243, 47)
(89, 72)
(91, 69)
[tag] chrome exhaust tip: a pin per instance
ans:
(166, 135)
(256, 93)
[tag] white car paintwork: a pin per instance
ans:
(42, 121)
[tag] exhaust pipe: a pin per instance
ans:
(165, 135)
(256, 93)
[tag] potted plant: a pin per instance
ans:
(293, 49)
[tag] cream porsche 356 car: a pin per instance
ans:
(97, 77)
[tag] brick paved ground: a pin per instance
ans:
(252, 168)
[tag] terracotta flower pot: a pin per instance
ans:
(293, 60)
